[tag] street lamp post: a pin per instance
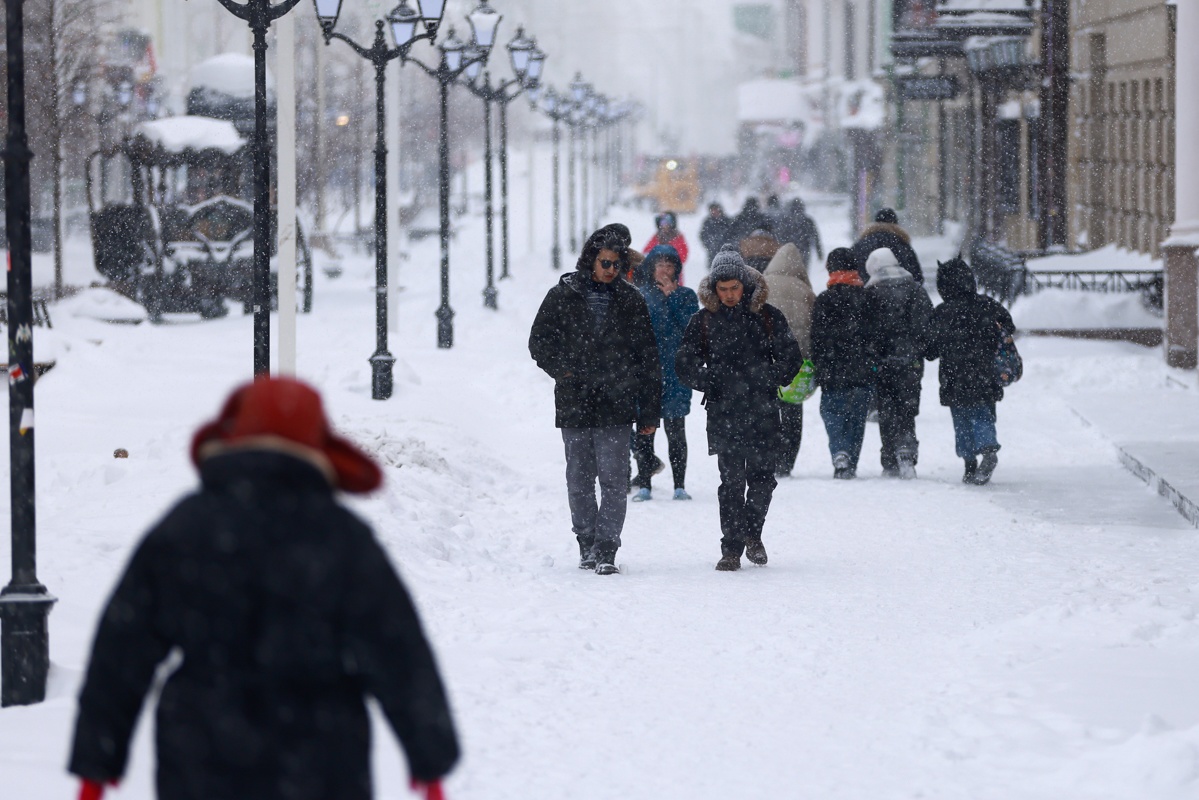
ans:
(259, 14)
(453, 63)
(580, 92)
(24, 602)
(403, 21)
(557, 110)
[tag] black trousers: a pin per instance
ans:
(746, 487)
(792, 421)
(676, 447)
(898, 405)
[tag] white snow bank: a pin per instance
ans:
(104, 305)
(1054, 309)
(176, 134)
(1109, 257)
(229, 73)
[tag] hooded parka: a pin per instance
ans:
(964, 333)
(739, 357)
(791, 292)
(895, 239)
(283, 613)
(669, 316)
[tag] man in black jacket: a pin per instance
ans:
(885, 232)
(716, 230)
(964, 332)
(844, 352)
(593, 336)
(796, 227)
(738, 351)
(282, 613)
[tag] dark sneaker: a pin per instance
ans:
(841, 460)
(971, 470)
(586, 557)
(907, 470)
(605, 563)
(844, 474)
(756, 553)
(606, 569)
(985, 469)
(728, 563)
(890, 472)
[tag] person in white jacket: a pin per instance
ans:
(791, 292)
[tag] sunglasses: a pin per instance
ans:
(605, 264)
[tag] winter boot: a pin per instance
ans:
(681, 494)
(729, 562)
(971, 470)
(755, 551)
(841, 468)
(586, 556)
(986, 468)
(906, 469)
(605, 562)
(642, 495)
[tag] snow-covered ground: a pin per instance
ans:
(1035, 638)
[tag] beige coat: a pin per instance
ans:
(791, 292)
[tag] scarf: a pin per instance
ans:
(848, 277)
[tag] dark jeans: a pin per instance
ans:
(974, 430)
(746, 486)
(591, 454)
(676, 446)
(791, 416)
(897, 423)
(844, 414)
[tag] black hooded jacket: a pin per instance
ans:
(605, 377)
(285, 614)
(739, 357)
(845, 337)
(964, 333)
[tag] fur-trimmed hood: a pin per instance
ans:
(757, 294)
(885, 227)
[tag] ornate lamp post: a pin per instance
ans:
(557, 109)
(259, 14)
(454, 61)
(24, 602)
(528, 65)
(403, 21)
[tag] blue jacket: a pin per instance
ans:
(669, 317)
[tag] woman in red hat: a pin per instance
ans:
(280, 613)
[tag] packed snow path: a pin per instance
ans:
(1035, 638)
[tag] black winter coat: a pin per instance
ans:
(714, 234)
(964, 333)
(605, 378)
(739, 357)
(800, 230)
(893, 238)
(284, 614)
(845, 337)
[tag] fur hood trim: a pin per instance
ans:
(760, 292)
(884, 227)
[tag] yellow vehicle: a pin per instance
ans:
(673, 187)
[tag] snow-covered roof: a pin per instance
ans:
(770, 100)
(228, 73)
(862, 105)
(177, 134)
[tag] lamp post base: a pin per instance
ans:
(381, 378)
(24, 647)
(491, 298)
(556, 258)
(445, 327)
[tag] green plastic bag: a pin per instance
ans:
(801, 387)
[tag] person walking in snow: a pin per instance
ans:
(885, 232)
(593, 336)
(738, 350)
(758, 248)
(670, 307)
(667, 232)
(903, 312)
(791, 292)
(844, 354)
(796, 227)
(749, 219)
(282, 615)
(716, 230)
(964, 333)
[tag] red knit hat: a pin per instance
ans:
(293, 411)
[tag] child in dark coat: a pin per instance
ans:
(844, 352)
(964, 332)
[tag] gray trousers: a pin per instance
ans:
(601, 453)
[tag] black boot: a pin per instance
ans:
(730, 559)
(586, 556)
(755, 551)
(971, 470)
(985, 468)
(605, 562)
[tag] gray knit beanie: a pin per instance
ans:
(728, 265)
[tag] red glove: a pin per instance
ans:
(427, 791)
(92, 790)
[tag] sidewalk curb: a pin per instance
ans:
(1183, 504)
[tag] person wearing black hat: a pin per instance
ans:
(738, 350)
(281, 614)
(886, 232)
(593, 336)
(796, 227)
(844, 352)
